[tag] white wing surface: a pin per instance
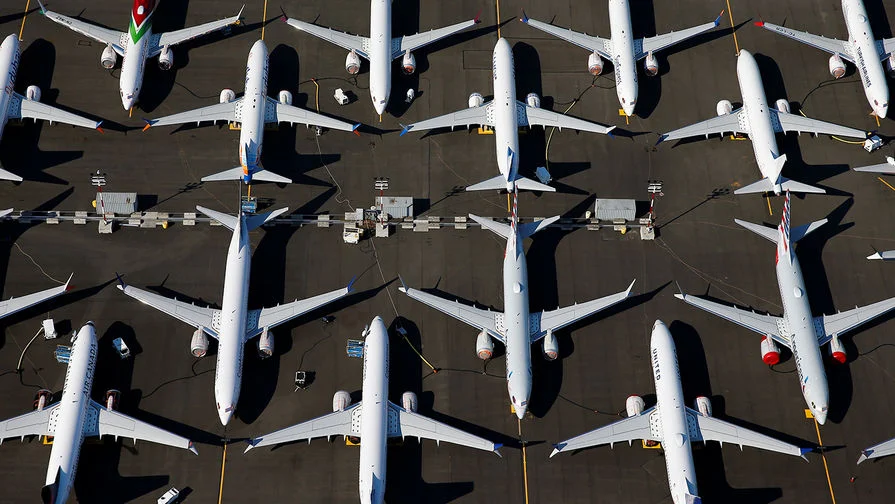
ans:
(412, 42)
(465, 118)
(703, 428)
(416, 425)
(627, 430)
(561, 317)
(476, 317)
(277, 112)
(113, 423)
(830, 45)
(883, 449)
(276, 315)
(734, 122)
(106, 36)
(196, 316)
(843, 322)
(602, 46)
(762, 324)
(13, 305)
(659, 42)
(887, 168)
(218, 112)
(333, 424)
(23, 108)
(785, 122)
(36, 423)
(344, 40)
(535, 116)
(179, 36)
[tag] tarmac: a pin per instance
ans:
(603, 359)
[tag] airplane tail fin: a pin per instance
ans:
(50, 493)
(247, 175)
(783, 233)
(252, 221)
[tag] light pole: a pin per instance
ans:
(654, 187)
(99, 180)
(381, 184)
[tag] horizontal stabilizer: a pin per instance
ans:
(770, 234)
(526, 230)
(231, 174)
(492, 184)
(765, 186)
(267, 176)
(256, 174)
(225, 219)
(498, 228)
(762, 186)
(257, 220)
(527, 184)
(802, 231)
(799, 187)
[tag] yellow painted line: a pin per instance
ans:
(498, 17)
(887, 184)
(316, 94)
(22, 29)
(525, 463)
(223, 465)
(770, 212)
(874, 115)
(263, 19)
(730, 15)
(824, 457)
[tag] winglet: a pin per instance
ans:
(661, 139)
(193, 449)
(803, 451)
(476, 19)
(865, 454)
(760, 22)
(354, 129)
(718, 19)
(680, 290)
(68, 282)
(149, 123)
(498, 446)
(351, 283)
(403, 287)
(251, 445)
(556, 449)
(524, 17)
(99, 127)
(43, 10)
(121, 283)
(239, 14)
(405, 129)
(628, 292)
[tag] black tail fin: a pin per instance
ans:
(50, 493)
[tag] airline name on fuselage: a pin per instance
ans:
(656, 372)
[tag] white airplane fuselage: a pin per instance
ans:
(673, 414)
(517, 325)
(72, 412)
(254, 107)
(133, 63)
(623, 62)
(374, 416)
(9, 66)
(761, 129)
(380, 53)
(231, 337)
(867, 60)
(506, 119)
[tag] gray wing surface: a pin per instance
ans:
(786, 122)
(476, 317)
(333, 424)
(734, 122)
(600, 45)
(277, 112)
(627, 430)
(344, 40)
(883, 449)
(762, 324)
(659, 42)
(23, 108)
(412, 42)
(465, 118)
(830, 45)
(534, 116)
(276, 315)
(181, 36)
(35, 423)
(196, 316)
(416, 425)
(113, 423)
(843, 322)
(16, 304)
(704, 428)
(561, 317)
(106, 36)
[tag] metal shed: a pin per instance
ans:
(124, 203)
(615, 209)
(397, 207)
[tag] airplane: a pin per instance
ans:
(380, 48)
(373, 420)
(887, 168)
(861, 49)
(761, 122)
(76, 416)
(506, 114)
(234, 324)
(137, 44)
(797, 329)
(515, 327)
(16, 106)
(622, 49)
(17, 304)
(263, 110)
(674, 425)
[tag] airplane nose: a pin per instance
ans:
(820, 416)
(629, 109)
(379, 105)
(127, 101)
(520, 412)
(225, 416)
(881, 112)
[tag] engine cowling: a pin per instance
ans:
(782, 105)
(108, 58)
(112, 398)
(285, 97)
(265, 344)
(199, 344)
(550, 348)
(409, 402)
(533, 100)
(42, 398)
(341, 400)
(594, 64)
(837, 350)
(227, 95)
(634, 405)
(32, 93)
(770, 353)
(352, 63)
(484, 346)
(651, 64)
(476, 100)
(724, 107)
(408, 63)
(703, 405)
(166, 59)
(837, 66)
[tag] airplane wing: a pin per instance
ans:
(16, 304)
(276, 315)
(340, 423)
(734, 122)
(627, 430)
(535, 116)
(476, 317)
(408, 423)
(465, 118)
(705, 428)
(214, 113)
(400, 45)
(784, 122)
(830, 45)
(106, 422)
(561, 317)
(887, 168)
(277, 112)
(766, 325)
(35, 423)
(659, 42)
(843, 322)
(117, 39)
(196, 316)
(179, 36)
(885, 47)
(355, 43)
(883, 449)
(601, 46)
(23, 108)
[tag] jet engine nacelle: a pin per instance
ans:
(265, 344)
(837, 66)
(165, 59)
(408, 63)
(112, 398)
(227, 95)
(890, 64)
(533, 100)
(199, 344)
(341, 400)
(108, 58)
(634, 405)
(703, 405)
(594, 64)
(42, 398)
(352, 63)
(476, 100)
(837, 350)
(651, 65)
(724, 107)
(484, 346)
(32, 93)
(409, 402)
(550, 347)
(782, 105)
(770, 353)
(285, 97)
